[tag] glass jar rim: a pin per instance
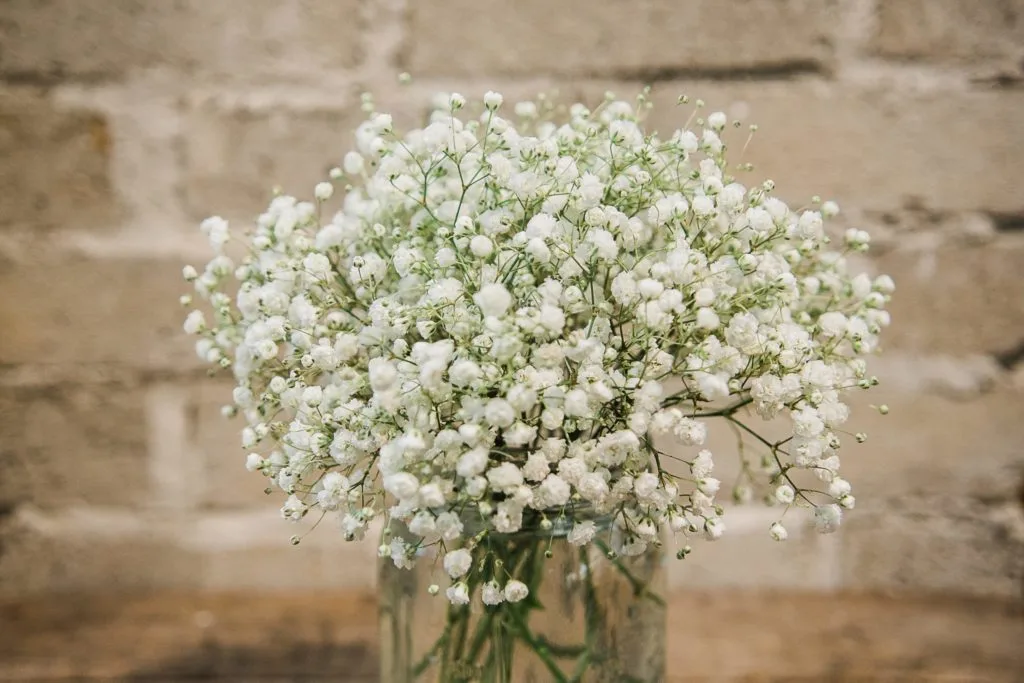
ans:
(555, 522)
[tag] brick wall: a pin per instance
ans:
(124, 122)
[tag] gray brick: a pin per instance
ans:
(956, 299)
(95, 39)
(73, 444)
(35, 563)
(235, 156)
(122, 312)
(950, 30)
(54, 164)
(942, 544)
(870, 149)
(217, 441)
(536, 37)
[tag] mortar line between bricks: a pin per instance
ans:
(200, 530)
(783, 71)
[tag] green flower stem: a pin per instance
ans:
(592, 617)
(640, 589)
(484, 650)
(438, 646)
(483, 629)
(561, 651)
(537, 647)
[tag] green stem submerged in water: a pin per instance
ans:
(496, 643)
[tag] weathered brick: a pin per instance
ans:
(73, 444)
(926, 445)
(955, 30)
(313, 636)
(959, 466)
(54, 164)
(843, 143)
(747, 557)
(251, 548)
(771, 637)
(69, 312)
(317, 635)
(963, 458)
(956, 299)
(217, 442)
(95, 548)
(33, 562)
(942, 544)
(870, 149)
(93, 39)
(236, 155)
(283, 567)
(473, 37)
(960, 377)
(930, 445)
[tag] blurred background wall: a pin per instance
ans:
(123, 123)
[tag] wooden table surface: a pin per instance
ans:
(310, 637)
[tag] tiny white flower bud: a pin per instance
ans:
(705, 296)
(353, 163)
(785, 494)
(717, 120)
(323, 191)
(526, 110)
(707, 319)
(516, 591)
(481, 246)
(492, 100)
(195, 322)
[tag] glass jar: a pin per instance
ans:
(591, 616)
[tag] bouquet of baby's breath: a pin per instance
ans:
(510, 315)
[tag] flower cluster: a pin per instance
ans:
(513, 315)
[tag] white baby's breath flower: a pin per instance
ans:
(195, 322)
(702, 464)
(505, 477)
(785, 494)
(457, 562)
(323, 191)
(714, 528)
(491, 593)
(516, 590)
(510, 317)
(493, 299)
(458, 594)
(492, 100)
(294, 509)
(353, 163)
(402, 485)
(481, 246)
(582, 532)
(827, 518)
